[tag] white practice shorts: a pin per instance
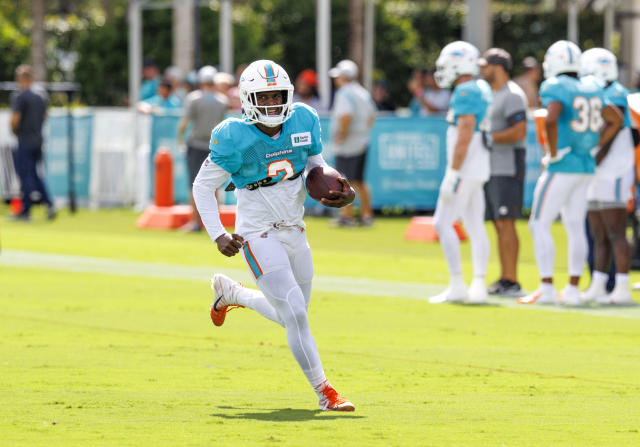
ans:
(606, 193)
(283, 248)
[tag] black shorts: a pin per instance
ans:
(352, 167)
(195, 157)
(503, 196)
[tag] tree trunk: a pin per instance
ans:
(38, 44)
(356, 30)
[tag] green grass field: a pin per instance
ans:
(106, 340)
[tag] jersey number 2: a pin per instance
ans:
(588, 114)
(278, 166)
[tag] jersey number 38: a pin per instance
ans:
(589, 114)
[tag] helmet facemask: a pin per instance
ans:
(265, 76)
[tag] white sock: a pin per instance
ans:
(546, 287)
(622, 278)
(599, 278)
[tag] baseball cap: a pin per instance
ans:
(346, 68)
(529, 62)
(308, 76)
(496, 56)
(207, 74)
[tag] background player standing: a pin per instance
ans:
(461, 191)
(265, 153)
(610, 188)
(575, 110)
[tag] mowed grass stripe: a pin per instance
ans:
(333, 284)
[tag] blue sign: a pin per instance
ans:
(56, 149)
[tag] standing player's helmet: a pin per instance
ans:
(456, 59)
(561, 57)
(600, 63)
(261, 76)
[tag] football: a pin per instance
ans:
(321, 180)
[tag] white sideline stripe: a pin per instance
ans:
(334, 284)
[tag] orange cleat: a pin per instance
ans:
(223, 287)
(330, 400)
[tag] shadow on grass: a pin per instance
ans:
(284, 414)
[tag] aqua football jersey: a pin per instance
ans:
(580, 121)
(617, 94)
(471, 98)
(250, 155)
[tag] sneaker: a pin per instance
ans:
(594, 292)
(511, 289)
(495, 288)
(51, 213)
(619, 295)
(570, 296)
(478, 291)
(452, 294)
(366, 221)
(343, 222)
(223, 297)
(330, 400)
(539, 297)
(20, 217)
(190, 227)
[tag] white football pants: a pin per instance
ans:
(280, 261)
(564, 194)
(467, 204)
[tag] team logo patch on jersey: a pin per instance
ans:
(301, 139)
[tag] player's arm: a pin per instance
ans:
(182, 126)
(343, 128)
(209, 178)
(15, 122)
(554, 109)
(466, 126)
(613, 121)
(338, 198)
(517, 122)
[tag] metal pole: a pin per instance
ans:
(323, 49)
(572, 21)
(71, 174)
(135, 51)
(226, 37)
(369, 30)
(609, 16)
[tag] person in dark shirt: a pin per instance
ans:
(28, 113)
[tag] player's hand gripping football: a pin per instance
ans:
(229, 244)
(338, 199)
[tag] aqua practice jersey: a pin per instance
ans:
(471, 98)
(617, 94)
(580, 121)
(251, 156)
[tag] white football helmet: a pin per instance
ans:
(600, 63)
(561, 57)
(262, 76)
(456, 59)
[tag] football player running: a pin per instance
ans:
(579, 117)
(610, 188)
(461, 191)
(265, 153)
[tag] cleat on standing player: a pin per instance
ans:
(224, 291)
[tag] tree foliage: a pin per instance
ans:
(409, 34)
